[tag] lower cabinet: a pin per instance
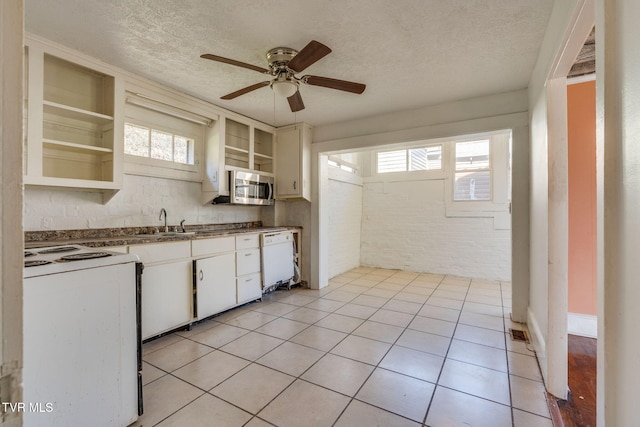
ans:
(166, 297)
(215, 289)
(249, 281)
(166, 286)
(249, 288)
(191, 280)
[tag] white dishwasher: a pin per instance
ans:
(277, 259)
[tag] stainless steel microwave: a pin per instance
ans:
(246, 188)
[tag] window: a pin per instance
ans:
(163, 140)
(341, 165)
(410, 160)
(472, 177)
(155, 144)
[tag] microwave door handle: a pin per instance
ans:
(270, 195)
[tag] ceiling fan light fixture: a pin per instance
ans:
(284, 88)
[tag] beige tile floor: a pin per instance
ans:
(375, 347)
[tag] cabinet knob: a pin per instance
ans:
(249, 254)
(294, 185)
(201, 275)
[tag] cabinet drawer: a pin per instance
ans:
(161, 252)
(247, 261)
(213, 246)
(247, 241)
(249, 288)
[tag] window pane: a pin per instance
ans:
(472, 155)
(392, 161)
(426, 158)
(136, 140)
(161, 147)
(181, 149)
(472, 186)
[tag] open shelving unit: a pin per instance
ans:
(248, 148)
(74, 133)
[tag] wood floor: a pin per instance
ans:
(579, 410)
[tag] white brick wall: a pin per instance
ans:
(345, 217)
(404, 227)
(137, 204)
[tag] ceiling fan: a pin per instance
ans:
(284, 64)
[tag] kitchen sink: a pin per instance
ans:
(167, 234)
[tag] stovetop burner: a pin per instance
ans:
(57, 249)
(28, 253)
(83, 256)
(36, 262)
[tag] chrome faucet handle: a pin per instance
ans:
(182, 226)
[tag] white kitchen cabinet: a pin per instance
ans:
(247, 147)
(166, 297)
(215, 284)
(249, 287)
(293, 162)
(236, 144)
(74, 130)
(167, 291)
(214, 275)
(247, 261)
(248, 282)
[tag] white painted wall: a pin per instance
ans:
(11, 236)
(137, 204)
(477, 115)
(404, 226)
(345, 217)
(618, 145)
(548, 226)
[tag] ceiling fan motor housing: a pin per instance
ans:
(279, 57)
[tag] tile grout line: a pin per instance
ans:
(367, 319)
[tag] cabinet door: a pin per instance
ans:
(166, 297)
(249, 288)
(288, 164)
(247, 261)
(215, 280)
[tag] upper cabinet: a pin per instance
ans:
(247, 147)
(293, 154)
(74, 130)
(232, 144)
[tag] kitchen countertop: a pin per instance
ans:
(139, 235)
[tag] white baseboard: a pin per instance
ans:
(538, 341)
(584, 325)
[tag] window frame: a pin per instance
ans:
(177, 116)
(148, 160)
(488, 168)
(406, 171)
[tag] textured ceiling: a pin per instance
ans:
(409, 53)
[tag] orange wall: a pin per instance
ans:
(581, 98)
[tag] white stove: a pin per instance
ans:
(82, 336)
(59, 259)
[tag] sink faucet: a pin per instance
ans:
(182, 230)
(164, 212)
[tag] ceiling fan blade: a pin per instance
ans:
(234, 62)
(295, 102)
(245, 90)
(335, 84)
(309, 54)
